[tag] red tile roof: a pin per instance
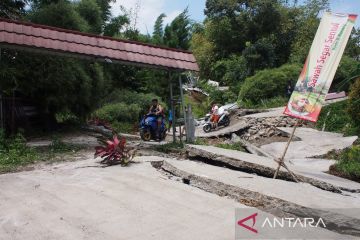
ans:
(29, 35)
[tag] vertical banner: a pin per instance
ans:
(320, 66)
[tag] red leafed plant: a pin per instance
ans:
(113, 151)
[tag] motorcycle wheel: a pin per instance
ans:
(163, 135)
(207, 128)
(145, 135)
(226, 121)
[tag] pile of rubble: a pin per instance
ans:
(267, 127)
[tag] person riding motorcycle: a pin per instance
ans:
(216, 114)
(157, 109)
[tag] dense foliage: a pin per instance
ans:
(349, 164)
(14, 152)
(354, 103)
(269, 83)
(64, 87)
(254, 47)
(239, 38)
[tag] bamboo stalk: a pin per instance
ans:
(281, 160)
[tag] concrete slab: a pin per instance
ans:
(79, 200)
(310, 133)
(314, 143)
(272, 112)
(302, 194)
(316, 164)
(234, 127)
(302, 167)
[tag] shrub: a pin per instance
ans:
(349, 163)
(269, 83)
(354, 102)
(267, 103)
(118, 112)
(113, 151)
(199, 109)
(231, 70)
(348, 69)
(143, 100)
(14, 153)
(335, 118)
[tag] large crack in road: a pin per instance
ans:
(335, 222)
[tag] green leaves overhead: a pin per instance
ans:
(177, 34)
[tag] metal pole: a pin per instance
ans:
(182, 104)
(1, 106)
(1, 113)
(172, 108)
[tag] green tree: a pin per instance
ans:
(158, 33)
(204, 53)
(116, 26)
(12, 8)
(347, 72)
(177, 34)
(308, 23)
(353, 46)
(91, 12)
(354, 102)
(231, 71)
(61, 14)
(259, 55)
(105, 6)
(269, 83)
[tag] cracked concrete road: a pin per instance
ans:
(80, 200)
(299, 167)
(313, 143)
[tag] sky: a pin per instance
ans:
(151, 9)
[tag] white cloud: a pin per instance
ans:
(148, 12)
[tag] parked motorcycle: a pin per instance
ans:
(148, 126)
(223, 121)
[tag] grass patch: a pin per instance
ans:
(200, 141)
(58, 146)
(335, 118)
(265, 103)
(170, 147)
(348, 165)
(14, 153)
(123, 127)
(232, 146)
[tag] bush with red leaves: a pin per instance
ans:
(114, 151)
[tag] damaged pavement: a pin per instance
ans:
(188, 195)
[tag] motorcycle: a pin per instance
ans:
(148, 126)
(223, 121)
